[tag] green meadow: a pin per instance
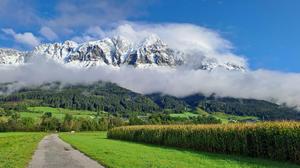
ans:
(225, 118)
(37, 112)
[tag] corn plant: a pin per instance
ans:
(273, 140)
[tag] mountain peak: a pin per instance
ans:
(152, 39)
(70, 43)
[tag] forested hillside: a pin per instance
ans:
(111, 98)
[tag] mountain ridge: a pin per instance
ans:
(115, 51)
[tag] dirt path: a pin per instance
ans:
(52, 152)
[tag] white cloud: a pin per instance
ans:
(260, 84)
(96, 31)
(48, 33)
(18, 12)
(69, 16)
(91, 34)
(26, 38)
(82, 14)
(94, 12)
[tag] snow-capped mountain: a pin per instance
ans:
(115, 51)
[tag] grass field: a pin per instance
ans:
(184, 115)
(225, 118)
(16, 149)
(121, 154)
(37, 112)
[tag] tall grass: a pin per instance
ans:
(273, 140)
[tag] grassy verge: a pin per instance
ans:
(121, 154)
(16, 149)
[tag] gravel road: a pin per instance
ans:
(52, 152)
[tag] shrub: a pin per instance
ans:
(27, 124)
(50, 124)
(68, 123)
(273, 140)
(136, 121)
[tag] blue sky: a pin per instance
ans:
(266, 32)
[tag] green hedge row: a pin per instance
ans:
(273, 140)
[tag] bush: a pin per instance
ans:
(2, 112)
(136, 121)
(206, 120)
(274, 140)
(68, 123)
(28, 124)
(115, 122)
(50, 124)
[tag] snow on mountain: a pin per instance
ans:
(115, 51)
(56, 51)
(153, 51)
(11, 56)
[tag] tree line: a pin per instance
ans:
(12, 121)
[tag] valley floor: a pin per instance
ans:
(17, 149)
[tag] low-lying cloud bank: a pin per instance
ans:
(260, 84)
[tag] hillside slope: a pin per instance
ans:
(101, 96)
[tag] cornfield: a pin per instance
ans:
(273, 140)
